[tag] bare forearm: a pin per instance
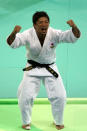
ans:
(11, 38)
(76, 31)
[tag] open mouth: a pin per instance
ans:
(44, 29)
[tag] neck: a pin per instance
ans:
(41, 36)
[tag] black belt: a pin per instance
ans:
(35, 64)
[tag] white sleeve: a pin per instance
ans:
(20, 40)
(65, 36)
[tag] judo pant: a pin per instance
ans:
(28, 90)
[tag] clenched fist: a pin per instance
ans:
(12, 36)
(17, 28)
(71, 23)
(75, 29)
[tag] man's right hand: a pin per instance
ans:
(17, 28)
(12, 36)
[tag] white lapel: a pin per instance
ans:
(45, 44)
(41, 50)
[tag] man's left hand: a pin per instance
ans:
(71, 23)
(75, 30)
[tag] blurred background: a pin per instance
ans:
(70, 58)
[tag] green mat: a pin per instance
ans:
(45, 101)
(75, 116)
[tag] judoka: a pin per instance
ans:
(41, 41)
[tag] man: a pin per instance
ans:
(41, 41)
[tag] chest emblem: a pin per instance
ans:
(52, 45)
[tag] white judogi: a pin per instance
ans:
(30, 85)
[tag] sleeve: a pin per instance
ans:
(20, 40)
(65, 36)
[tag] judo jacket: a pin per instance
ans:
(42, 54)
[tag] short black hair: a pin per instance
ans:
(39, 14)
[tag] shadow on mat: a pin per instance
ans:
(33, 128)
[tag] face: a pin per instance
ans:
(41, 25)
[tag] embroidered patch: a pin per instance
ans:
(52, 45)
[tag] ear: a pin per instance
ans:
(34, 25)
